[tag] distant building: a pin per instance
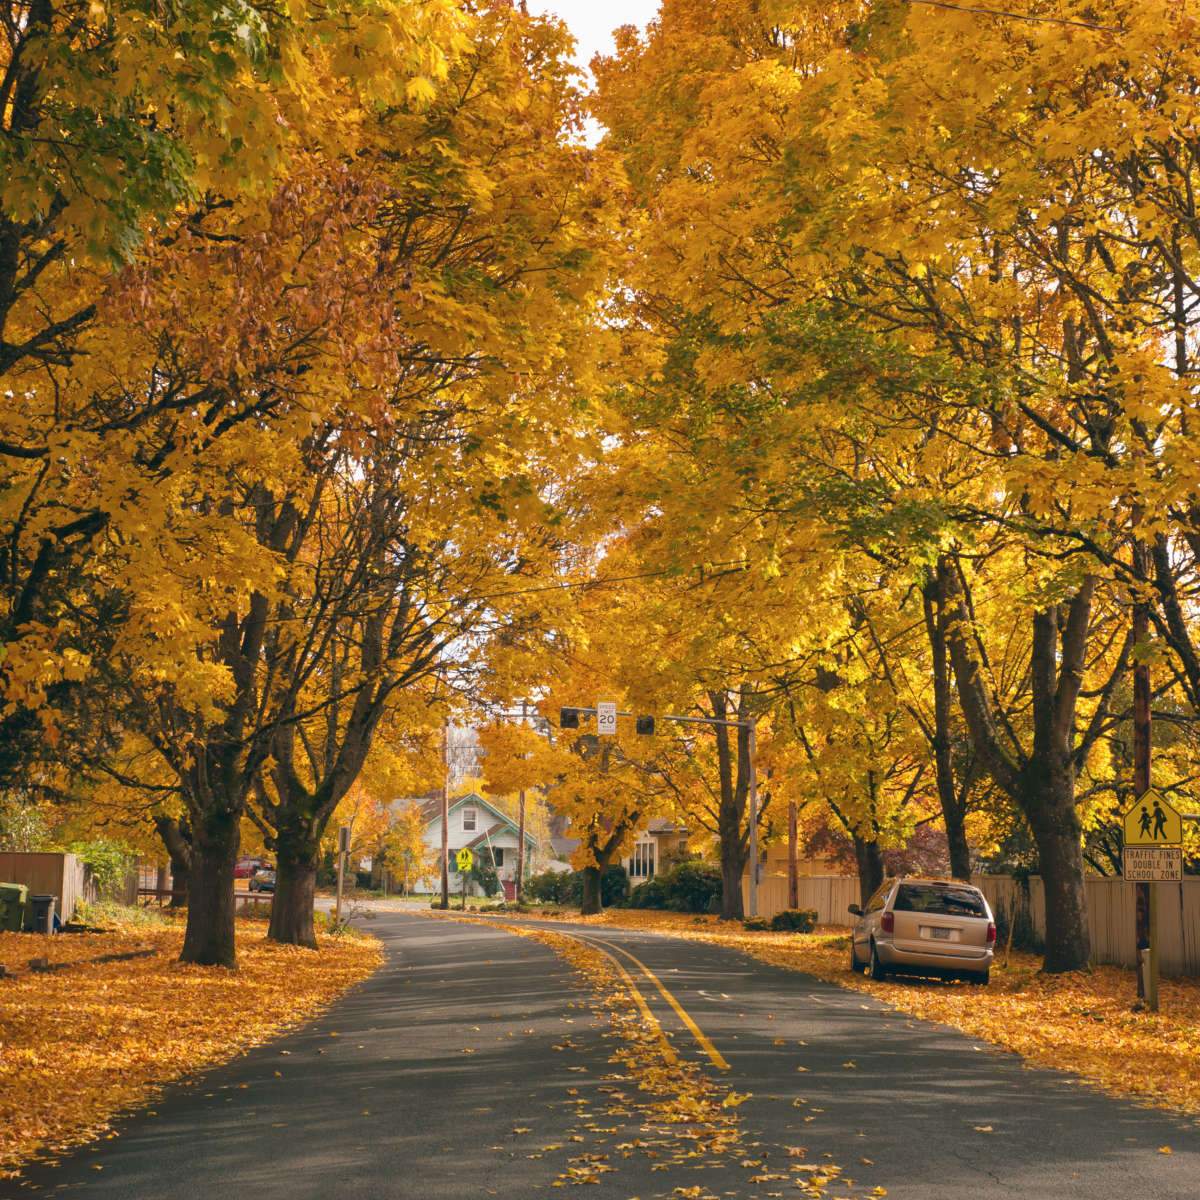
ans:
(478, 825)
(660, 843)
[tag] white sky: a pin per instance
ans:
(592, 21)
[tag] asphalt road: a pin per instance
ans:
(476, 1064)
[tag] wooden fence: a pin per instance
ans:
(62, 876)
(1110, 912)
(829, 895)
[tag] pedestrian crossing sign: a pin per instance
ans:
(464, 860)
(1153, 820)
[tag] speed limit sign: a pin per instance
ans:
(606, 718)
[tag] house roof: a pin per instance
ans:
(431, 810)
(662, 825)
(564, 847)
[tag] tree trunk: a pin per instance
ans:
(732, 838)
(1054, 821)
(956, 840)
(954, 808)
(176, 839)
(733, 867)
(1042, 781)
(209, 939)
(593, 900)
(295, 890)
(869, 859)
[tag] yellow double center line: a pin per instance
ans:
(702, 1040)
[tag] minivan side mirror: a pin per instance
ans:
(854, 910)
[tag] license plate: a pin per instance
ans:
(942, 934)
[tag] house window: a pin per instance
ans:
(641, 861)
(498, 855)
(469, 815)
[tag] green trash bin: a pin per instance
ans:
(12, 906)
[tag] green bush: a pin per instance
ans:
(693, 886)
(795, 920)
(107, 860)
(690, 886)
(614, 885)
(651, 894)
(757, 924)
(549, 887)
(566, 887)
(483, 872)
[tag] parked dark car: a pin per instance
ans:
(263, 880)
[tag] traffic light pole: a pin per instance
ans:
(1146, 908)
(646, 725)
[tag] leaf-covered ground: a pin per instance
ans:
(668, 1110)
(1080, 1023)
(79, 1046)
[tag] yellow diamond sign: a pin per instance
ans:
(1153, 821)
(464, 858)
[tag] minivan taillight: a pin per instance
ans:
(991, 932)
(887, 922)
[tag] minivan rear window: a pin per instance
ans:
(943, 901)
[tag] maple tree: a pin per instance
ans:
(159, 121)
(859, 389)
(825, 191)
(375, 520)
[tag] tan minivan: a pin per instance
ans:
(924, 927)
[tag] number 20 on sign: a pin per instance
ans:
(606, 718)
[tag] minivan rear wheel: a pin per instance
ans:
(876, 969)
(980, 979)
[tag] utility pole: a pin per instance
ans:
(446, 814)
(519, 890)
(793, 865)
(1147, 909)
(751, 754)
(517, 893)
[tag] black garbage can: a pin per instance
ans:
(41, 914)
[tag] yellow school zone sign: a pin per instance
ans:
(1153, 821)
(464, 858)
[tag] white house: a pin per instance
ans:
(478, 825)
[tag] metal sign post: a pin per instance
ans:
(343, 850)
(464, 860)
(1153, 853)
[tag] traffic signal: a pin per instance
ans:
(568, 718)
(645, 725)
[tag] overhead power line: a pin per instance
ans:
(1016, 16)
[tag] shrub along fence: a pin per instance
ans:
(1022, 903)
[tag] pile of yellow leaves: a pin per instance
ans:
(685, 1116)
(80, 1046)
(1081, 1023)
